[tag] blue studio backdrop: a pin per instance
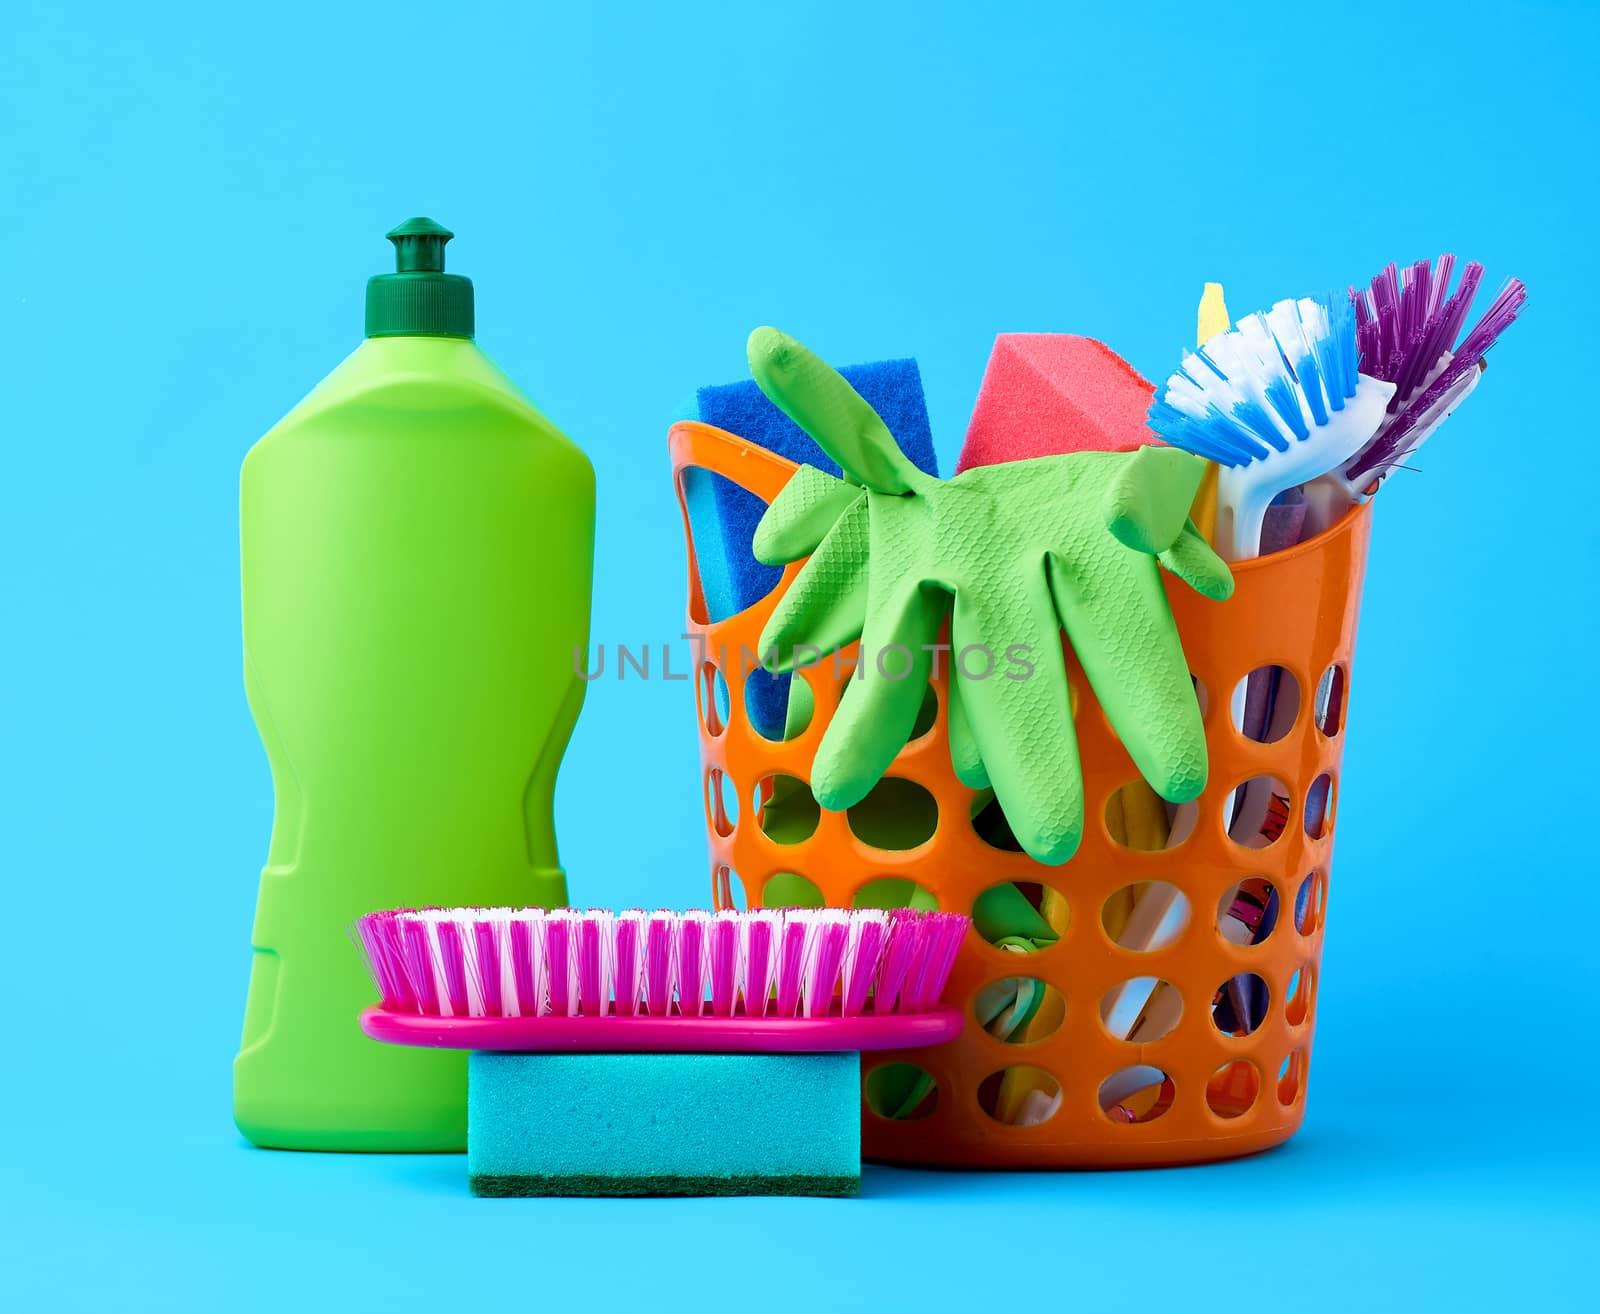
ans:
(192, 199)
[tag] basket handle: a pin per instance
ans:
(704, 446)
(692, 445)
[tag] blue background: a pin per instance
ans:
(192, 199)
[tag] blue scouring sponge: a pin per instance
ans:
(664, 1124)
(723, 516)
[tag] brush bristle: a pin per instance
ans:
(800, 962)
(1407, 330)
(1262, 385)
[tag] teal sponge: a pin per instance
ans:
(664, 1124)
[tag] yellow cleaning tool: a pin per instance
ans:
(1213, 319)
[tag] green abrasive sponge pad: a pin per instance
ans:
(664, 1124)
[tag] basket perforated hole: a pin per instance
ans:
(1291, 1077)
(1020, 1010)
(1248, 913)
(1145, 916)
(1319, 807)
(1141, 1010)
(1265, 704)
(722, 801)
(1021, 917)
(1302, 986)
(1258, 812)
(1140, 819)
(1182, 818)
(990, 824)
(1240, 1004)
(713, 699)
(901, 1091)
(1138, 1093)
(1020, 1096)
(894, 892)
(778, 707)
(785, 809)
(898, 814)
(727, 890)
(1330, 701)
(789, 889)
(1202, 695)
(1233, 1089)
(1310, 902)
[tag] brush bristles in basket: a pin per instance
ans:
(1264, 385)
(779, 963)
(1406, 327)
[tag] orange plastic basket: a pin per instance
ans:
(1220, 1093)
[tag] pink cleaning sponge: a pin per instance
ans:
(1048, 393)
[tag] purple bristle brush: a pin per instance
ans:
(1407, 328)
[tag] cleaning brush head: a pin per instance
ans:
(764, 963)
(1262, 385)
(1407, 326)
(1277, 400)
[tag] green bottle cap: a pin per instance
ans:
(419, 299)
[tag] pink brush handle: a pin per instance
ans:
(674, 1035)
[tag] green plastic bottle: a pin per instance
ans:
(417, 547)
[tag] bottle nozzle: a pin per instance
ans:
(419, 299)
(419, 246)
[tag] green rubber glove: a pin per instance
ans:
(1010, 554)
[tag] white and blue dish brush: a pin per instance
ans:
(1276, 401)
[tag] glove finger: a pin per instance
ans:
(880, 704)
(1020, 714)
(801, 515)
(964, 754)
(1121, 627)
(1147, 502)
(821, 401)
(1192, 560)
(825, 607)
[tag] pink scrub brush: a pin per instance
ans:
(795, 980)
